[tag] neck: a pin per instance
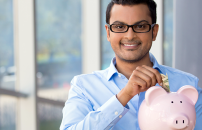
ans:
(127, 68)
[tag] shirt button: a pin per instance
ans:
(116, 113)
(120, 116)
(119, 75)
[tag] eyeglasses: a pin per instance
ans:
(138, 28)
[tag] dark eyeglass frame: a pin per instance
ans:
(128, 26)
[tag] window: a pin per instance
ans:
(49, 116)
(58, 56)
(107, 52)
(8, 113)
(8, 105)
(7, 68)
(168, 32)
(43, 45)
(58, 38)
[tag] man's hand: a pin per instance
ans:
(142, 78)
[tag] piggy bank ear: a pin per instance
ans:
(190, 92)
(152, 93)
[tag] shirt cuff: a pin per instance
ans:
(113, 111)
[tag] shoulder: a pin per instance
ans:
(91, 78)
(94, 74)
(87, 85)
(179, 78)
(177, 72)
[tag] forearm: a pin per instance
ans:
(91, 121)
(82, 118)
(123, 97)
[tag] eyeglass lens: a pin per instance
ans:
(136, 28)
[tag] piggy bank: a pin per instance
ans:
(168, 111)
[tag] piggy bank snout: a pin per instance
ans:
(179, 121)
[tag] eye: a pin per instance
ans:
(119, 26)
(140, 26)
(180, 101)
(172, 102)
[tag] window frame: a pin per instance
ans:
(25, 55)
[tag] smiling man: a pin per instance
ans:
(110, 99)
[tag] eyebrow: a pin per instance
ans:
(133, 24)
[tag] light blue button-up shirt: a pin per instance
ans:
(92, 102)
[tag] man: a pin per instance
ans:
(110, 99)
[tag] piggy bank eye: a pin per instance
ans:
(180, 101)
(171, 101)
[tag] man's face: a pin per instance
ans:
(131, 46)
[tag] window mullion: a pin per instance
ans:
(25, 63)
(91, 36)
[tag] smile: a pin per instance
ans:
(130, 44)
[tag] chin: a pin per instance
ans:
(131, 60)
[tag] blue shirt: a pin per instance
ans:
(92, 102)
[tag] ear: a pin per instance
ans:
(107, 30)
(152, 93)
(155, 31)
(190, 92)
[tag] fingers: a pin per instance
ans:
(146, 76)
(156, 73)
(140, 83)
(141, 78)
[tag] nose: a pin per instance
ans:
(179, 121)
(130, 34)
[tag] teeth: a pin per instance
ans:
(130, 45)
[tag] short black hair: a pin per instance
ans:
(150, 3)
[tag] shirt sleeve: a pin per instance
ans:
(198, 107)
(78, 113)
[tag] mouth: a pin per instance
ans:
(130, 45)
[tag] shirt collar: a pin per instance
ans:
(113, 70)
(156, 64)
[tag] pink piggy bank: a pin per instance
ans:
(168, 111)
